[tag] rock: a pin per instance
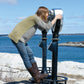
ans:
(74, 44)
(82, 42)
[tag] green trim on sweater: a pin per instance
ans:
(22, 27)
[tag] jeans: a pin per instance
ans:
(26, 53)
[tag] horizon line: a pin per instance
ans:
(51, 34)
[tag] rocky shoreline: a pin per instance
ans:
(73, 44)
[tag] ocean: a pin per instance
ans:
(75, 54)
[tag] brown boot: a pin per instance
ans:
(34, 74)
(34, 65)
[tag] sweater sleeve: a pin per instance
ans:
(42, 25)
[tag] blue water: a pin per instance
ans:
(64, 53)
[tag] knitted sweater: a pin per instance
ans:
(27, 27)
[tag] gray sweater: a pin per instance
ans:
(40, 24)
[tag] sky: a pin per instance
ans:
(14, 11)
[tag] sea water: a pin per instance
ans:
(64, 53)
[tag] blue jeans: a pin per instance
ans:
(26, 53)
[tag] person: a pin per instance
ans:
(24, 31)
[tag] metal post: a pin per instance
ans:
(55, 51)
(54, 58)
(54, 48)
(43, 45)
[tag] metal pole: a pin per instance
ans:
(54, 58)
(54, 48)
(55, 51)
(43, 45)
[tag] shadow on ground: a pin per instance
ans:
(19, 82)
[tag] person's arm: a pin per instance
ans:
(42, 25)
(57, 17)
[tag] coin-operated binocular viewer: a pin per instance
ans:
(54, 78)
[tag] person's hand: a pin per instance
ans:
(59, 16)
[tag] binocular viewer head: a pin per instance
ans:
(58, 25)
(54, 12)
